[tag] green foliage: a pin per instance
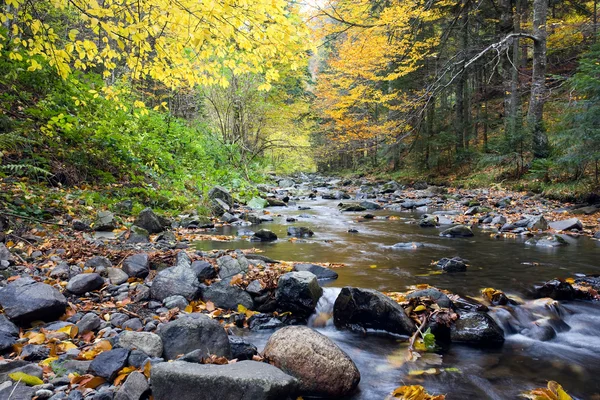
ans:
(429, 340)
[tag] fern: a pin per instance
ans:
(25, 169)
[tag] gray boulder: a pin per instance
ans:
(454, 264)
(9, 333)
(458, 231)
(370, 309)
(320, 272)
(567, 225)
(105, 221)
(547, 241)
(220, 200)
(298, 292)
(137, 265)
(89, 322)
(370, 205)
(204, 270)
(434, 294)
(117, 276)
(82, 283)
(229, 266)
(108, 363)
(134, 387)
(26, 300)
(227, 296)
(321, 367)
(478, 329)
(98, 263)
(151, 222)
(138, 235)
(178, 280)
(241, 349)
(537, 223)
(148, 342)
(264, 235)
(244, 380)
(192, 332)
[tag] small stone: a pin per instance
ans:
(108, 363)
(83, 283)
(150, 343)
(137, 265)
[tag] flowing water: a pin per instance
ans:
(572, 358)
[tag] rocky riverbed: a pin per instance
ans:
(98, 310)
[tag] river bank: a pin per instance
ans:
(131, 297)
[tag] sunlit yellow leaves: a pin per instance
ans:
(90, 354)
(415, 392)
(554, 391)
(178, 44)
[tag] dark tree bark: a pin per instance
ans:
(538, 81)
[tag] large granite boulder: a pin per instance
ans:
(244, 380)
(321, 367)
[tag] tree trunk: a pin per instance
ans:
(505, 27)
(538, 81)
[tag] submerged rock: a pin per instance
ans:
(429, 221)
(244, 380)
(547, 241)
(370, 309)
(321, 367)
(478, 329)
(299, 231)
(454, 264)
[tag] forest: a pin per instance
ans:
(269, 199)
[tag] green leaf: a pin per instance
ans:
(429, 339)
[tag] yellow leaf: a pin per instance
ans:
(48, 361)
(420, 307)
(29, 380)
(38, 338)
(71, 330)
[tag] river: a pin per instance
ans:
(572, 358)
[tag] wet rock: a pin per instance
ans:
(459, 231)
(192, 332)
(554, 289)
(241, 349)
(204, 270)
(547, 241)
(567, 225)
(542, 333)
(105, 221)
(83, 283)
(137, 265)
(151, 222)
(227, 296)
(454, 264)
(134, 387)
(108, 363)
(478, 329)
(261, 322)
(264, 235)
(469, 304)
(150, 343)
(25, 300)
(117, 276)
(370, 309)
(298, 292)
(9, 333)
(434, 294)
(370, 205)
(244, 380)
(299, 231)
(321, 367)
(177, 280)
(429, 221)
(320, 272)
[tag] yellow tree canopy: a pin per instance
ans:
(180, 43)
(371, 48)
